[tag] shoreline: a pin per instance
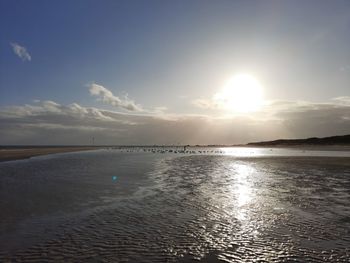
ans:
(13, 154)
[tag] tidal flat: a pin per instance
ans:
(224, 205)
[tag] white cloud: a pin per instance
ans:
(158, 110)
(51, 109)
(205, 104)
(342, 100)
(48, 122)
(21, 52)
(107, 96)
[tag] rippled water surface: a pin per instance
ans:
(112, 206)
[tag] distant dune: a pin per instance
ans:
(314, 141)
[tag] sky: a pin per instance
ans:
(161, 72)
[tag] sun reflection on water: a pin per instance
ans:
(243, 151)
(242, 190)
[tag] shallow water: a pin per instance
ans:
(226, 207)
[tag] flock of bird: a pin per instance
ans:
(174, 150)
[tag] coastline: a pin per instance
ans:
(12, 154)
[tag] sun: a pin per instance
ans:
(243, 93)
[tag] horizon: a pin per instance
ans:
(251, 144)
(168, 73)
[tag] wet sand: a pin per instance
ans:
(9, 154)
(175, 208)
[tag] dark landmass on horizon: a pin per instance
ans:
(343, 140)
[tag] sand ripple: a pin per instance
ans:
(209, 209)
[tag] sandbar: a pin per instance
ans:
(10, 154)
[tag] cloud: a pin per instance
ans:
(204, 104)
(21, 52)
(306, 119)
(48, 122)
(217, 102)
(107, 96)
(342, 100)
(51, 109)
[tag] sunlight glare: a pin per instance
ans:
(243, 93)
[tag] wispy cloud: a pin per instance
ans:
(205, 104)
(107, 96)
(21, 52)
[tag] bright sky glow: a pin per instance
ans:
(243, 93)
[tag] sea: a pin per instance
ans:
(172, 205)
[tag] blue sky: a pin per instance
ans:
(171, 53)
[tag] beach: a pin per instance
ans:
(139, 205)
(17, 153)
